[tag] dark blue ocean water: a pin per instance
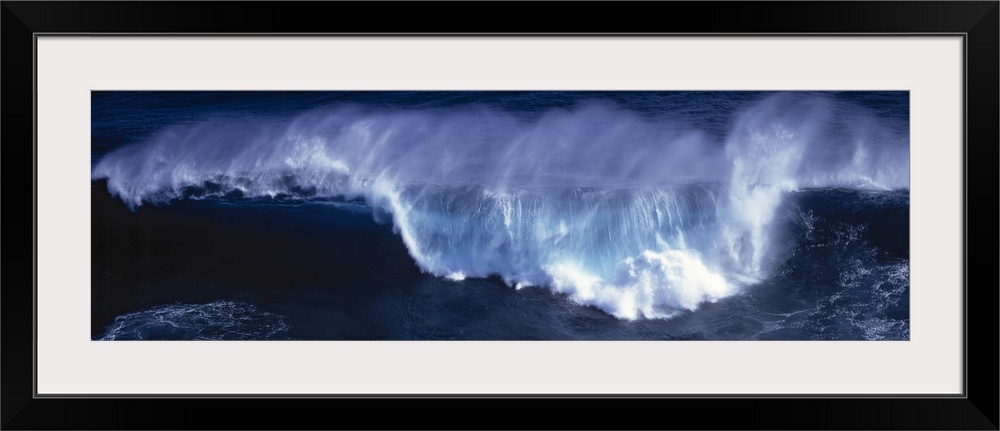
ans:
(500, 215)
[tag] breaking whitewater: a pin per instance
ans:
(500, 215)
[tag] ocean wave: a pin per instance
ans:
(637, 218)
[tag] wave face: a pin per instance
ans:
(638, 216)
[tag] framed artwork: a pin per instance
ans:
(245, 201)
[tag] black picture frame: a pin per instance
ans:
(977, 22)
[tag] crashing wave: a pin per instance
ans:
(639, 218)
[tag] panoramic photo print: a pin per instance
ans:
(499, 215)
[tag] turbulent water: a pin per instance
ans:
(715, 215)
(219, 320)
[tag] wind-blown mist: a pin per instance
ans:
(639, 217)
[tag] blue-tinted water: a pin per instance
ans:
(500, 215)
